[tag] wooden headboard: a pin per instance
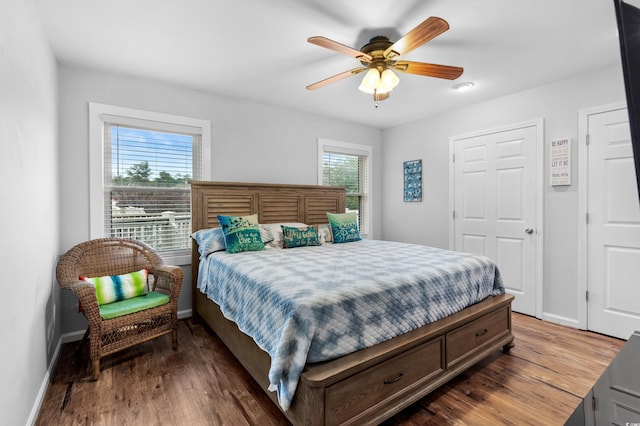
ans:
(273, 202)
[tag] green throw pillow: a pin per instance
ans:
(344, 227)
(114, 288)
(299, 237)
(241, 233)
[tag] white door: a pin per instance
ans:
(613, 227)
(495, 205)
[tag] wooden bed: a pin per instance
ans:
(368, 386)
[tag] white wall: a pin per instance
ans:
(251, 143)
(29, 329)
(427, 222)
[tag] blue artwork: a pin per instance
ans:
(413, 181)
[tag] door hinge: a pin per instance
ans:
(586, 217)
(586, 295)
(453, 214)
(587, 139)
(453, 158)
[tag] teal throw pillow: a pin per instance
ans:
(344, 227)
(241, 233)
(299, 237)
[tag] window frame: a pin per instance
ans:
(101, 113)
(340, 147)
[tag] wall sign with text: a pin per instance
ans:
(561, 162)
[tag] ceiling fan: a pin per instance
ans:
(380, 56)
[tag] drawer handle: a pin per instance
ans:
(400, 376)
(482, 333)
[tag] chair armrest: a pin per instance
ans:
(83, 289)
(168, 278)
(87, 295)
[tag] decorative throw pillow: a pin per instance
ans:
(344, 227)
(265, 234)
(241, 233)
(325, 234)
(209, 241)
(274, 230)
(299, 237)
(114, 288)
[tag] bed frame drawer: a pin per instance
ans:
(362, 392)
(475, 334)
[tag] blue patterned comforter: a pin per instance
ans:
(311, 304)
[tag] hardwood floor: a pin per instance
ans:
(540, 382)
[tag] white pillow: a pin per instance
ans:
(325, 233)
(209, 240)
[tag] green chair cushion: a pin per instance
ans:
(135, 304)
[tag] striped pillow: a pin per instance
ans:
(114, 288)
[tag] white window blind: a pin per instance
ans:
(147, 171)
(351, 171)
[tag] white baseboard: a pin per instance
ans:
(187, 313)
(33, 416)
(558, 319)
(74, 336)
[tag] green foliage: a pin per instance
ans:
(140, 175)
(352, 202)
(344, 170)
(119, 181)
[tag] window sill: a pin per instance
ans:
(176, 259)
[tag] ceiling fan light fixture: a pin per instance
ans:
(388, 80)
(378, 97)
(370, 81)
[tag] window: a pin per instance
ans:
(348, 165)
(142, 164)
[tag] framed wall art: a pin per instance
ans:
(561, 162)
(413, 181)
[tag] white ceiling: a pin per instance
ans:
(257, 49)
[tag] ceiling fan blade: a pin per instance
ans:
(429, 70)
(427, 30)
(340, 48)
(335, 78)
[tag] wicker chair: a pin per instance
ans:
(113, 256)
